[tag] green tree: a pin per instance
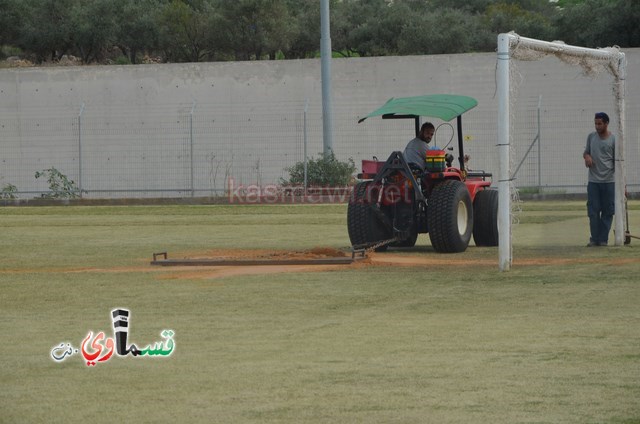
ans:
(380, 31)
(600, 23)
(354, 24)
(10, 20)
(197, 30)
(184, 31)
(255, 29)
(94, 28)
(305, 27)
(568, 3)
(138, 26)
(625, 24)
(444, 31)
(46, 28)
(505, 17)
(472, 6)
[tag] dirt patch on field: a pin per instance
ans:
(209, 272)
(315, 253)
(373, 259)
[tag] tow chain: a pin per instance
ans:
(364, 249)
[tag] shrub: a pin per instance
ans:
(9, 192)
(60, 186)
(326, 171)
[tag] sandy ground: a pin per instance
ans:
(373, 259)
(211, 272)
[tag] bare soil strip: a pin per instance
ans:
(373, 259)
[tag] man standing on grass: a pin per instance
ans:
(599, 157)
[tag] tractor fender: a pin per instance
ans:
(475, 186)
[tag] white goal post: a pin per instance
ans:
(593, 62)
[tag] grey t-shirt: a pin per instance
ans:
(603, 153)
(416, 152)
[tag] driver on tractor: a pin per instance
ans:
(416, 151)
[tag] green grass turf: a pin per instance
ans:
(556, 339)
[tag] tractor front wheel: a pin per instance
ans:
(450, 217)
(365, 218)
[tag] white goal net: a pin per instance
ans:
(593, 62)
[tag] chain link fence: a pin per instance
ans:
(181, 150)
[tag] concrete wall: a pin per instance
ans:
(183, 129)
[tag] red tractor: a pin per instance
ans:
(395, 201)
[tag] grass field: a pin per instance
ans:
(438, 339)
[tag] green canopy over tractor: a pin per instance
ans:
(442, 106)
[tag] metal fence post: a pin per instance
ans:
(306, 108)
(193, 107)
(539, 145)
(80, 149)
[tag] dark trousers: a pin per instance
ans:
(600, 209)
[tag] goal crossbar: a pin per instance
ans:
(609, 59)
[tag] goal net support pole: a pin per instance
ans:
(593, 62)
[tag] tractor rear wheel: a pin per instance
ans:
(365, 218)
(450, 217)
(485, 218)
